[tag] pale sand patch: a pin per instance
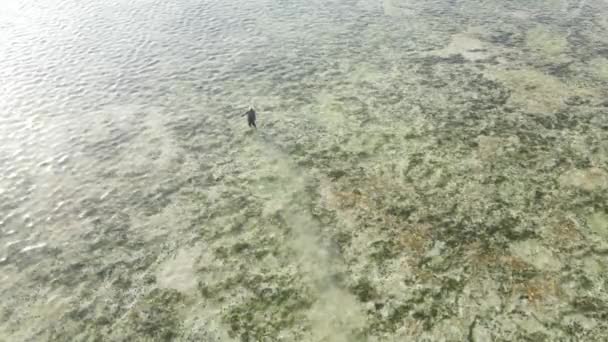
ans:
(586, 179)
(335, 316)
(598, 222)
(489, 148)
(466, 45)
(332, 113)
(336, 312)
(546, 41)
(393, 9)
(521, 14)
(534, 253)
(179, 272)
(366, 72)
(599, 67)
(538, 92)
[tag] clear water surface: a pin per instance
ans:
(422, 170)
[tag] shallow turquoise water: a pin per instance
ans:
(422, 170)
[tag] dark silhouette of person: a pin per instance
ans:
(251, 117)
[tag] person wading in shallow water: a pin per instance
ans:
(251, 117)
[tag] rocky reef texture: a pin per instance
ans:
(422, 171)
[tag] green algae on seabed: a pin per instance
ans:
(422, 171)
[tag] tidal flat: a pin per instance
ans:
(421, 171)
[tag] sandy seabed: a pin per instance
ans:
(421, 171)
